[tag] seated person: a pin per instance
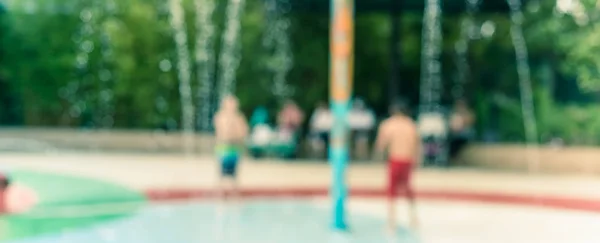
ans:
(290, 117)
(362, 123)
(461, 127)
(260, 116)
(261, 133)
(433, 129)
(320, 125)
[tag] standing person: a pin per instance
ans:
(231, 130)
(290, 119)
(399, 138)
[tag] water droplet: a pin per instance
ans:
(105, 75)
(106, 95)
(564, 6)
(86, 15)
(87, 30)
(488, 29)
(111, 6)
(581, 21)
(474, 32)
(76, 38)
(30, 7)
(180, 38)
(276, 40)
(517, 17)
(82, 59)
(165, 65)
(87, 46)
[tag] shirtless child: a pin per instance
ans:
(399, 138)
(231, 130)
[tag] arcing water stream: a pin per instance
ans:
(183, 71)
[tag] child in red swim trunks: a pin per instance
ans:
(399, 137)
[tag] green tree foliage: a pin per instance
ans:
(41, 85)
(9, 113)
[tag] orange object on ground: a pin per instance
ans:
(399, 175)
(4, 183)
(2, 202)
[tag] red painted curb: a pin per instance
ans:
(580, 204)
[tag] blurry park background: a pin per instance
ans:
(113, 64)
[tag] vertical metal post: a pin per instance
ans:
(342, 47)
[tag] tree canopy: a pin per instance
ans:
(127, 77)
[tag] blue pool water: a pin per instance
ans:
(259, 221)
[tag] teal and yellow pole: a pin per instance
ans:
(341, 64)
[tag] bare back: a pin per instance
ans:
(399, 136)
(230, 127)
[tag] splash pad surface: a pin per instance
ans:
(257, 220)
(500, 205)
(79, 209)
